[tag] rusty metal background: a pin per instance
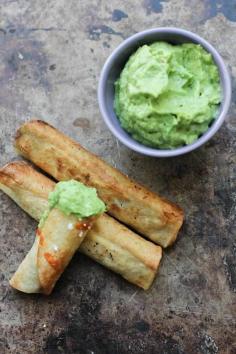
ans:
(51, 54)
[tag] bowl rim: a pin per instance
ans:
(225, 87)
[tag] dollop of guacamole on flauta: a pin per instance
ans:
(167, 95)
(73, 197)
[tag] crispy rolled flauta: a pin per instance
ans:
(129, 202)
(108, 242)
(72, 210)
(53, 248)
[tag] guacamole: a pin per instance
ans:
(73, 197)
(167, 95)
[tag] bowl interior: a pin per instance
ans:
(114, 66)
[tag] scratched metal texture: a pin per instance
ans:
(51, 55)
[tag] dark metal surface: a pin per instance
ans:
(51, 57)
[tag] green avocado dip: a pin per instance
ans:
(73, 197)
(167, 95)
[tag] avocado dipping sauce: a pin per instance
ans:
(73, 197)
(167, 95)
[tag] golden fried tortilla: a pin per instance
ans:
(108, 242)
(54, 246)
(64, 159)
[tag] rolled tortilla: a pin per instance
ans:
(129, 202)
(108, 242)
(54, 246)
